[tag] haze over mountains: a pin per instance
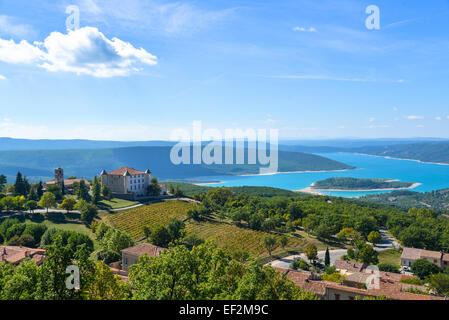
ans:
(86, 158)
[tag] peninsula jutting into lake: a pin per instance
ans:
(354, 184)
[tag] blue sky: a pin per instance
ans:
(143, 68)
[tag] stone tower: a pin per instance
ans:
(59, 178)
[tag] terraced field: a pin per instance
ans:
(231, 238)
(132, 221)
(227, 236)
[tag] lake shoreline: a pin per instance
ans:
(268, 174)
(312, 190)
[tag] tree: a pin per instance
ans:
(40, 190)
(154, 189)
(284, 241)
(19, 185)
(327, 258)
(160, 237)
(146, 231)
(3, 181)
(270, 243)
(106, 192)
(88, 211)
(47, 201)
(440, 283)
(31, 205)
(96, 191)
(311, 252)
(388, 267)
(423, 268)
(192, 240)
(374, 237)
(112, 243)
(104, 285)
(367, 254)
(56, 190)
(81, 191)
(68, 204)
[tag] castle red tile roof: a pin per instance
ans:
(121, 171)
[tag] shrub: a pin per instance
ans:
(387, 267)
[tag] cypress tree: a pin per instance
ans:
(327, 258)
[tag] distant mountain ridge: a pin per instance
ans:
(38, 164)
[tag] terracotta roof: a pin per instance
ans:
(445, 257)
(387, 287)
(144, 248)
(122, 171)
(68, 182)
(349, 265)
(15, 254)
(415, 254)
(411, 254)
(430, 254)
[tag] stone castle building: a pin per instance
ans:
(66, 186)
(127, 183)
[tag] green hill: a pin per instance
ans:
(89, 162)
(360, 184)
(436, 200)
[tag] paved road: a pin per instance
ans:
(387, 243)
(43, 211)
(285, 262)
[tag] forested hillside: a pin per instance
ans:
(89, 162)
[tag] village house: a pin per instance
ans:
(410, 255)
(131, 255)
(389, 286)
(128, 183)
(16, 254)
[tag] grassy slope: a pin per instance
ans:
(228, 236)
(132, 221)
(390, 256)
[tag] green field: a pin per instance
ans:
(116, 203)
(232, 238)
(226, 235)
(132, 221)
(70, 226)
(390, 256)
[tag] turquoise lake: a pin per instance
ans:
(431, 176)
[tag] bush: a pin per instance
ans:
(387, 267)
(423, 268)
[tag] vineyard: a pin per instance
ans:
(132, 221)
(227, 236)
(231, 238)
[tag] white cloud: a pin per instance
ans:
(420, 126)
(302, 29)
(412, 117)
(8, 27)
(372, 119)
(395, 109)
(2, 77)
(438, 118)
(22, 52)
(152, 16)
(447, 117)
(84, 51)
